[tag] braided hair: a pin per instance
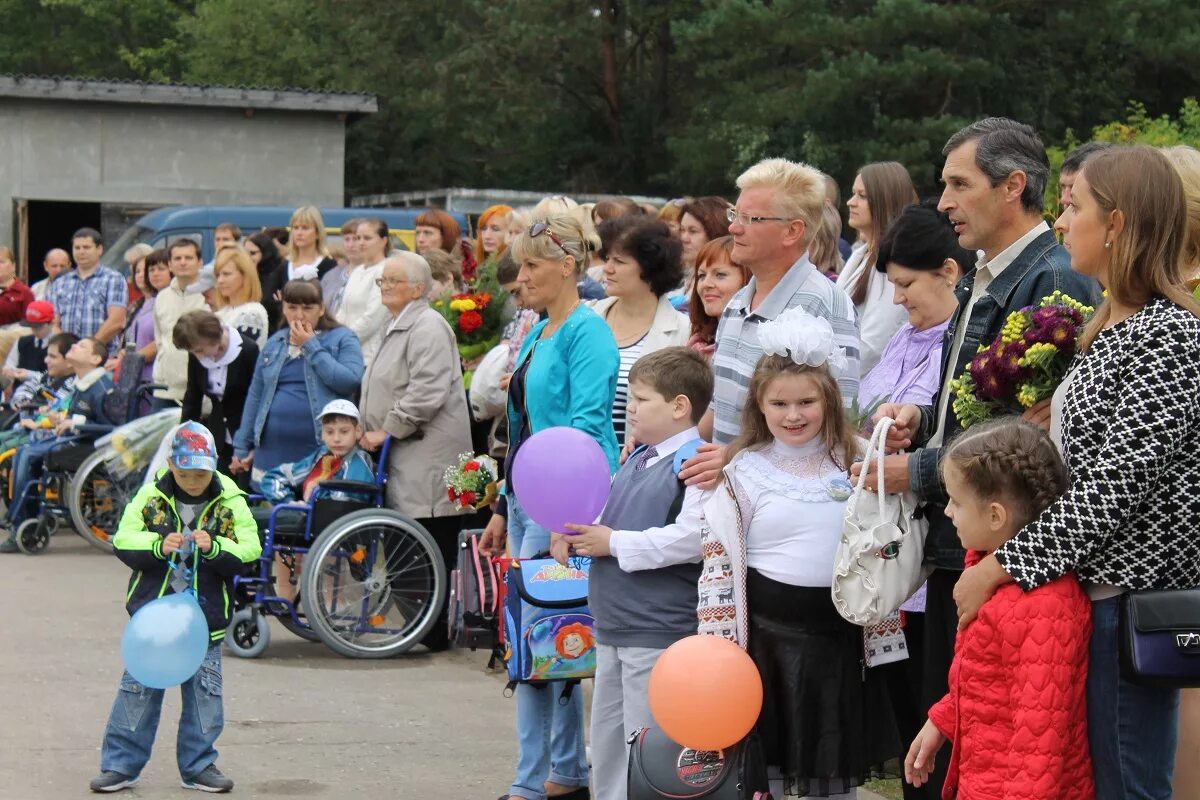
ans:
(1013, 460)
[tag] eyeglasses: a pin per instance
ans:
(387, 283)
(733, 215)
(540, 227)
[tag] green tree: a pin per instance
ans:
(91, 38)
(1138, 127)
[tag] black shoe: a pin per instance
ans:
(210, 779)
(9, 545)
(109, 781)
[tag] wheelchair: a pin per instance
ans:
(372, 583)
(75, 490)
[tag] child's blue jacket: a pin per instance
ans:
(284, 483)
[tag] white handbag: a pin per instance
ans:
(879, 560)
(486, 397)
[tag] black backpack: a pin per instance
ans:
(120, 399)
(474, 616)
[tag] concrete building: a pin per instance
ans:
(101, 153)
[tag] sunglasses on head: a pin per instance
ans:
(540, 227)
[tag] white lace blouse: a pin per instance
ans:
(798, 499)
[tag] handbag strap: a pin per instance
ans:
(876, 450)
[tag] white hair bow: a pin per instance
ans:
(803, 338)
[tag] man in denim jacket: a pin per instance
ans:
(995, 180)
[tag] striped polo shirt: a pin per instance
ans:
(738, 350)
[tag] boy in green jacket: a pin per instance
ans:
(188, 497)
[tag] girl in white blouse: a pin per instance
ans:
(362, 309)
(238, 294)
(767, 535)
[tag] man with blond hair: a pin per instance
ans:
(778, 212)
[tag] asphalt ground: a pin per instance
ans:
(300, 721)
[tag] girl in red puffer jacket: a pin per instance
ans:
(1016, 711)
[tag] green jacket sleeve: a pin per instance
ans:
(228, 556)
(137, 547)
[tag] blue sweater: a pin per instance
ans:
(571, 381)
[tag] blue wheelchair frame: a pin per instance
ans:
(276, 606)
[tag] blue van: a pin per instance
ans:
(162, 227)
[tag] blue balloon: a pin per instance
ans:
(165, 641)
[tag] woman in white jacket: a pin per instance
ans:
(361, 310)
(881, 191)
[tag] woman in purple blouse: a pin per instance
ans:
(922, 257)
(150, 275)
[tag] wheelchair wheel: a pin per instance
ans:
(96, 501)
(33, 537)
(248, 633)
(373, 584)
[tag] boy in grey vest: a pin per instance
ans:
(640, 614)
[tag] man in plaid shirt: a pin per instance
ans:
(91, 300)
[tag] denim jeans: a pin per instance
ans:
(129, 736)
(27, 466)
(550, 744)
(1131, 729)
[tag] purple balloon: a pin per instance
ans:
(561, 475)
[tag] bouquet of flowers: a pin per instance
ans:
(1026, 362)
(473, 484)
(477, 317)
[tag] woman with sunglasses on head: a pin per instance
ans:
(566, 374)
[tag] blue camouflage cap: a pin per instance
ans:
(193, 447)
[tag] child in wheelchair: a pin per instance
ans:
(85, 414)
(41, 400)
(339, 458)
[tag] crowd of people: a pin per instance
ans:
(756, 335)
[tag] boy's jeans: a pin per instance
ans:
(133, 722)
(27, 463)
(550, 744)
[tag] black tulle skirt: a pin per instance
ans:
(826, 723)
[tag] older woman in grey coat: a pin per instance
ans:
(413, 390)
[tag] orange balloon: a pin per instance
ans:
(705, 693)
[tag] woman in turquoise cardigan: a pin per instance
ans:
(565, 374)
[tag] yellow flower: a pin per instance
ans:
(1026, 396)
(469, 305)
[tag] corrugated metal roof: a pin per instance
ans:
(52, 87)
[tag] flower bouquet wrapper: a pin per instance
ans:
(1025, 363)
(131, 447)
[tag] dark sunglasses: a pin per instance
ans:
(540, 227)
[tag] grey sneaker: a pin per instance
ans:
(9, 545)
(110, 781)
(210, 779)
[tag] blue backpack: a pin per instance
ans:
(549, 630)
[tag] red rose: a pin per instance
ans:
(470, 321)
(468, 498)
(450, 493)
(471, 466)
